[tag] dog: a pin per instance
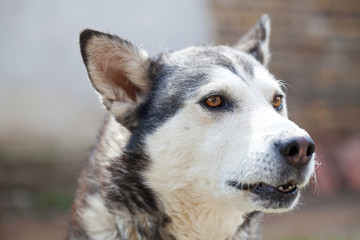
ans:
(196, 144)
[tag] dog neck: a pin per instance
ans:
(193, 217)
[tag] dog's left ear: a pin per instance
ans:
(256, 40)
(118, 71)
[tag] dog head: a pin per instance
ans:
(212, 120)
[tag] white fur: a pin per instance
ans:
(98, 222)
(115, 138)
(190, 167)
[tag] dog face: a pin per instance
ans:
(225, 139)
(211, 120)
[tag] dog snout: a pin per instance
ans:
(297, 151)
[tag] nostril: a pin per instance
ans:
(289, 149)
(310, 150)
(293, 150)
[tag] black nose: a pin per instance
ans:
(297, 151)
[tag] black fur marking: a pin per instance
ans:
(84, 38)
(261, 34)
(257, 53)
(131, 190)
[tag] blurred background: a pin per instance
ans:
(50, 115)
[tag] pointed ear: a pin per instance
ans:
(256, 40)
(118, 71)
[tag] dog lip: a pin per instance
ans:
(288, 190)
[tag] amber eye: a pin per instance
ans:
(277, 101)
(214, 101)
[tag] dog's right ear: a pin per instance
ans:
(256, 40)
(118, 70)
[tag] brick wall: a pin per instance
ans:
(316, 49)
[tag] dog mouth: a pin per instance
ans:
(289, 189)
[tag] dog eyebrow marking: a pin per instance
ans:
(247, 66)
(222, 61)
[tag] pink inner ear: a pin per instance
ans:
(118, 79)
(123, 82)
(115, 76)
